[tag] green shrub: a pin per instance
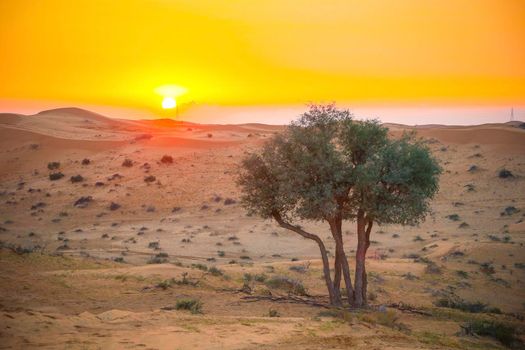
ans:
(506, 334)
(77, 178)
(53, 165)
(453, 217)
(200, 267)
(466, 306)
(193, 305)
(288, 284)
(160, 258)
(215, 271)
(55, 176)
(504, 173)
(508, 211)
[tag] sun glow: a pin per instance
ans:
(169, 102)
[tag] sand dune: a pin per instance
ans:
(92, 287)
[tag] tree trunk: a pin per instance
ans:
(360, 260)
(335, 227)
(364, 227)
(334, 300)
(367, 245)
(337, 274)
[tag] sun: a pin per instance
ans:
(168, 103)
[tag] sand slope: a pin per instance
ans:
(82, 299)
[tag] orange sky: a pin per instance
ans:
(274, 52)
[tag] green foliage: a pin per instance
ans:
(200, 266)
(327, 162)
(53, 165)
(215, 271)
(506, 334)
(463, 305)
(55, 176)
(290, 285)
(193, 305)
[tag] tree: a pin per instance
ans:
(327, 167)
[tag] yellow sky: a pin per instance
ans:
(232, 52)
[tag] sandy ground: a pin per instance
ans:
(88, 285)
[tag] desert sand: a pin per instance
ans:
(89, 282)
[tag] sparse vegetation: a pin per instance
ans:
(466, 306)
(128, 163)
(192, 305)
(77, 178)
(55, 176)
(83, 202)
(159, 258)
(114, 206)
(53, 165)
(200, 266)
(505, 174)
(510, 210)
(166, 159)
(215, 271)
(502, 332)
(453, 217)
(290, 285)
(150, 178)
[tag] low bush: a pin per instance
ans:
(200, 267)
(53, 165)
(77, 178)
(166, 159)
(508, 211)
(290, 285)
(55, 176)
(466, 306)
(193, 305)
(504, 174)
(229, 201)
(114, 206)
(215, 271)
(149, 178)
(128, 163)
(160, 258)
(464, 225)
(506, 334)
(453, 217)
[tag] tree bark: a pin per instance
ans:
(335, 227)
(337, 274)
(326, 264)
(364, 227)
(360, 259)
(367, 245)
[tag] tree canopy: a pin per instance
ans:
(326, 166)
